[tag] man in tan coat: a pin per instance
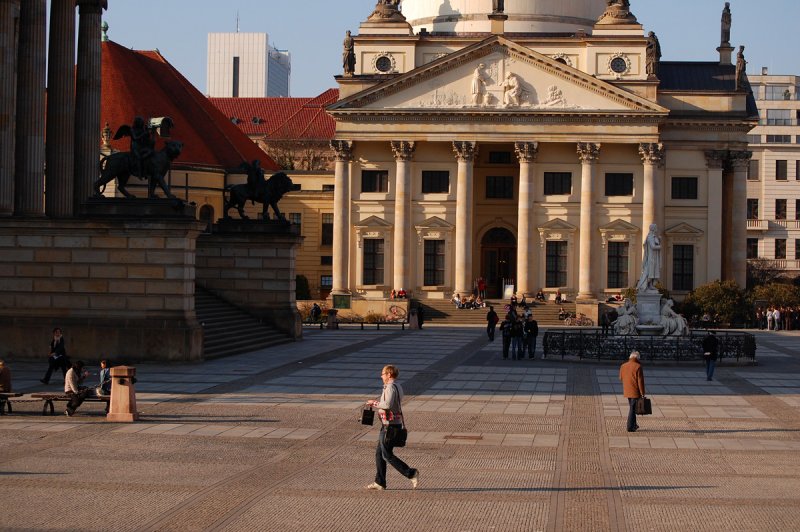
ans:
(632, 377)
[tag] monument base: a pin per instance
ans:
(648, 307)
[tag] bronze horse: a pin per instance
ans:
(259, 190)
(120, 166)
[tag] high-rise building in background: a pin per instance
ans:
(244, 65)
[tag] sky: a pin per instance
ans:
(313, 30)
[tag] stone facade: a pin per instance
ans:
(123, 289)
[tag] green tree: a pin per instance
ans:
(723, 300)
(778, 294)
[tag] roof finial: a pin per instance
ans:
(104, 27)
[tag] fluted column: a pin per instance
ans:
(9, 22)
(403, 154)
(29, 149)
(740, 160)
(652, 156)
(61, 110)
(714, 161)
(588, 153)
(87, 99)
(343, 151)
(465, 153)
(526, 230)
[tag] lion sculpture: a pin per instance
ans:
(259, 190)
(121, 166)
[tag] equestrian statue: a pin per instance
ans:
(258, 190)
(143, 161)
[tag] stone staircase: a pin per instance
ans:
(443, 311)
(228, 330)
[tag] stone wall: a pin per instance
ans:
(251, 264)
(122, 288)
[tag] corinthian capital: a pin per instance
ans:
(526, 151)
(740, 159)
(465, 151)
(343, 150)
(652, 153)
(588, 152)
(92, 6)
(715, 159)
(403, 150)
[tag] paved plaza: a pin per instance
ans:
(269, 441)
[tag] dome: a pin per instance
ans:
(524, 16)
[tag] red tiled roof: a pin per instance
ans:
(282, 118)
(143, 83)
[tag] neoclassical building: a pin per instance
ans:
(533, 146)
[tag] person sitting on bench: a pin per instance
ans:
(73, 389)
(5, 378)
(105, 379)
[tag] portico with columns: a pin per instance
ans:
(546, 160)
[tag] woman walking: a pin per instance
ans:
(390, 410)
(57, 359)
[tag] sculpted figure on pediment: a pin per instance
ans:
(512, 90)
(555, 98)
(479, 86)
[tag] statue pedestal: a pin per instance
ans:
(648, 306)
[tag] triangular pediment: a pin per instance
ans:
(619, 226)
(497, 75)
(558, 225)
(372, 222)
(434, 222)
(683, 230)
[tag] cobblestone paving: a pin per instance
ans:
(269, 441)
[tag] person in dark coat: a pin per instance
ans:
(57, 359)
(632, 377)
(531, 330)
(710, 351)
(420, 316)
(491, 322)
(505, 330)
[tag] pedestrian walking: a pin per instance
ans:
(632, 377)
(531, 331)
(491, 323)
(517, 331)
(57, 359)
(390, 410)
(710, 351)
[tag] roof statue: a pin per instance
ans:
(348, 55)
(387, 11)
(268, 192)
(726, 25)
(652, 55)
(142, 161)
(498, 6)
(741, 70)
(617, 12)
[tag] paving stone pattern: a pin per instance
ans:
(270, 441)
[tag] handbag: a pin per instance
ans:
(643, 406)
(395, 436)
(367, 416)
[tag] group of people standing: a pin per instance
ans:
(776, 318)
(518, 333)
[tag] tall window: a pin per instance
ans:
(684, 188)
(434, 262)
(556, 264)
(375, 181)
(779, 117)
(435, 182)
(780, 248)
(326, 282)
(752, 209)
(779, 139)
(780, 209)
(752, 171)
(296, 218)
(775, 92)
(235, 88)
(499, 187)
(327, 229)
(619, 184)
(373, 261)
(797, 167)
(557, 183)
(797, 249)
(617, 264)
(797, 209)
(682, 267)
(752, 248)
(781, 170)
(326, 260)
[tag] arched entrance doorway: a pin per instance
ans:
(498, 259)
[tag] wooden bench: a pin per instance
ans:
(49, 398)
(5, 403)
